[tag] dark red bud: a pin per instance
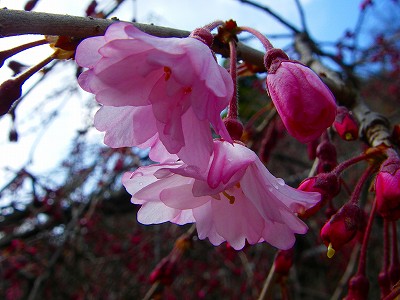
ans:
(345, 124)
(30, 5)
(10, 91)
(234, 127)
(90, 10)
(384, 284)
(164, 272)
(342, 227)
(327, 184)
(283, 261)
(358, 288)
(327, 157)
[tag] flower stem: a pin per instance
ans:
(233, 104)
(357, 190)
(213, 25)
(363, 253)
(262, 38)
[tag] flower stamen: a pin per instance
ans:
(230, 198)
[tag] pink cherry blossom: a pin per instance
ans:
(168, 90)
(306, 105)
(237, 199)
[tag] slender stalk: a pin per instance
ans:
(262, 38)
(363, 253)
(233, 104)
(357, 190)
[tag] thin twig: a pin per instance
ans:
(273, 14)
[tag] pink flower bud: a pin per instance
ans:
(342, 227)
(387, 188)
(345, 124)
(305, 104)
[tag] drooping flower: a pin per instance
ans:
(305, 104)
(387, 188)
(237, 199)
(165, 90)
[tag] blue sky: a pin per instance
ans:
(326, 19)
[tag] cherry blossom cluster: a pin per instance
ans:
(168, 95)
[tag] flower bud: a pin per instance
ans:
(91, 9)
(384, 283)
(10, 91)
(327, 184)
(234, 127)
(305, 104)
(342, 227)
(387, 188)
(30, 5)
(358, 288)
(165, 271)
(283, 261)
(345, 124)
(327, 157)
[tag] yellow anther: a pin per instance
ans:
(348, 136)
(230, 198)
(331, 251)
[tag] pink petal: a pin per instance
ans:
(142, 177)
(156, 213)
(181, 197)
(204, 225)
(278, 235)
(228, 160)
(237, 222)
(184, 217)
(121, 125)
(87, 52)
(198, 141)
(295, 200)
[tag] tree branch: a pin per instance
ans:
(16, 22)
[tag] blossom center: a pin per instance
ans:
(167, 72)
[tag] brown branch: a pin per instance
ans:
(16, 22)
